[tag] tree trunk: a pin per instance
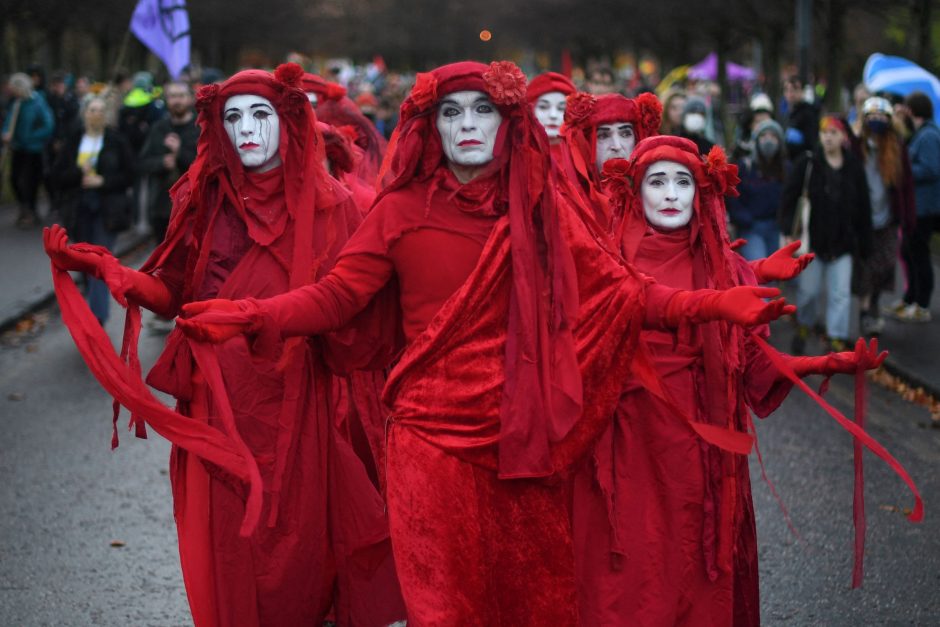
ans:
(920, 18)
(772, 65)
(721, 103)
(835, 44)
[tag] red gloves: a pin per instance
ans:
(97, 261)
(80, 257)
(781, 265)
(742, 305)
(218, 320)
(864, 356)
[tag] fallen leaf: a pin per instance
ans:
(16, 396)
(118, 543)
(888, 508)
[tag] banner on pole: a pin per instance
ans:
(163, 26)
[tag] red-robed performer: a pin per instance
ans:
(663, 521)
(547, 95)
(335, 108)
(600, 128)
(518, 328)
(277, 517)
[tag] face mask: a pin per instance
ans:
(254, 129)
(550, 112)
(614, 141)
(767, 148)
(668, 190)
(694, 122)
(467, 122)
(877, 127)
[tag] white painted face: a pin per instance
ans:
(668, 189)
(550, 112)
(614, 141)
(467, 122)
(255, 130)
(312, 97)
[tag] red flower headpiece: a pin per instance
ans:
(615, 179)
(505, 83)
(579, 108)
(424, 92)
(723, 175)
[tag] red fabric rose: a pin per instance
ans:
(723, 175)
(206, 96)
(505, 83)
(651, 114)
(614, 177)
(424, 93)
(289, 73)
(579, 108)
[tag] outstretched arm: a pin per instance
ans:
(146, 290)
(310, 310)
(744, 305)
(781, 265)
(846, 362)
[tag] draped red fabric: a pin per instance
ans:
(314, 533)
(542, 396)
(663, 521)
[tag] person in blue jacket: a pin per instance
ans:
(924, 152)
(27, 129)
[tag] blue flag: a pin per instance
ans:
(163, 26)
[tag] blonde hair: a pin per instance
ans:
(21, 82)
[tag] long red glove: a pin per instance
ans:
(781, 265)
(218, 320)
(744, 305)
(97, 261)
(846, 362)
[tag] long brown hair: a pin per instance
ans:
(889, 148)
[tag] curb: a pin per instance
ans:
(911, 378)
(43, 301)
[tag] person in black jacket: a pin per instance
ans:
(838, 228)
(802, 123)
(93, 173)
(168, 152)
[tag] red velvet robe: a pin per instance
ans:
(473, 549)
(663, 522)
(322, 541)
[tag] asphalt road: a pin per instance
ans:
(66, 498)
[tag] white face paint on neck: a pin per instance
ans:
(614, 141)
(550, 112)
(255, 130)
(668, 189)
(312, 97)
(467, 122)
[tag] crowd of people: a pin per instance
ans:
(488, 360)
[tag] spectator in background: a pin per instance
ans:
(891, 196)
(386, 118)
(93, 173)
(140, 111)
(694, 121)
(169, 150)
(802, 125)
(673, 108)
(64, 107)
(859, 95)
(27, 128)
(759, 109)
(838, 226)
(601, 81)
(763, 173)
(915, 248)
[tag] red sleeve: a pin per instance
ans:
(331, 302)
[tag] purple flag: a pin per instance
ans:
(163, 26)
